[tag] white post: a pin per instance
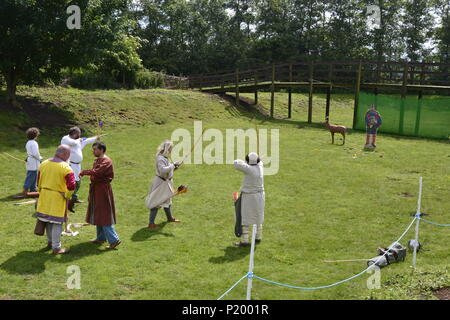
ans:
(417, 224)
(251, 264)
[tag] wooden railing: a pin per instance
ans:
(345, 73)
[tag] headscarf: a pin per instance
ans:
(253, 158)
(164, 147)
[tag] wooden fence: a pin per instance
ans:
(403, 76)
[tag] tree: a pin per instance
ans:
(36, 42)
(417, 29)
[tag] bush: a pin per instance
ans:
(146, 79)
(91, 79)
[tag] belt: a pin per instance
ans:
(75, 162)
(164, 178)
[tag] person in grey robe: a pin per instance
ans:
(164, 173)
(252, 197)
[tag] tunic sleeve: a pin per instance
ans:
(241, 166)
(163, 168)
(87, 141)
(35, 151)
(69, 141)
(70, 182)
(102, 171)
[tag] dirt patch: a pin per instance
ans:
(41, 114)
(442, 294)
(406, 195)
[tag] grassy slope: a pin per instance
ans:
(319, 206)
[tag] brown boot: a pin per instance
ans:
(174, 220)
(113, 245)
(152, 226)
(60, 251)
(70, 205)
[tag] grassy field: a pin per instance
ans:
(326, 202)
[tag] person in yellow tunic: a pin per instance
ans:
(56, 184)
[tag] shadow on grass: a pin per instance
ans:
(11, 199)
(231, 253)
(146, 233)
(33, 262)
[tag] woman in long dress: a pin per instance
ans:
(252, 197)
(164, 172)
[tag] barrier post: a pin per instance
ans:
(251, 264)
(417, 224)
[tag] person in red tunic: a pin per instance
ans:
(101, 210)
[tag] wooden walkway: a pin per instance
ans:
(402, 77)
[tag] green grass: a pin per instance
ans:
(326, 202)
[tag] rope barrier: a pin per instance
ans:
(252, 275)
(232, 287)
(417, 218)
(434, 223)
(345, 280)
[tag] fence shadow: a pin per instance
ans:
(231, 254)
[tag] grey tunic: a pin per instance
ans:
(252, 192)
(164, 169)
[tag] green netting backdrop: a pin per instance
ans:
(426, 117)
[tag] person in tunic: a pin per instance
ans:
(101, 210)
(33, 162)
(56, 183)
(164, 172)
(252, 197)
(76, 143)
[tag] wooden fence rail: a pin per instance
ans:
(354, 75)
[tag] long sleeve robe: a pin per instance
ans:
(164, 172)
(252, 192)
(101, 210)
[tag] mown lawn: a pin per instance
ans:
(327, 202)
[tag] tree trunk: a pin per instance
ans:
(11, 88)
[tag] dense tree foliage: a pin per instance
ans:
(121, 40)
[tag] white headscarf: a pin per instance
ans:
(164, 147)
(252, 158)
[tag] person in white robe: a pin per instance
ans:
(252, 196)
(164, 175)
(33, 162)
(76, 144)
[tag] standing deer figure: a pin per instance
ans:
(335, 129)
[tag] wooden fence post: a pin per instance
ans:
(290, 93)
(419, 103)
(237, 87)
(357, 88)
(310, 98)
(256, 87)
(403, 96)
(330, 79)
(272, 92)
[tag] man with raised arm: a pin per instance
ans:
(76, 143)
